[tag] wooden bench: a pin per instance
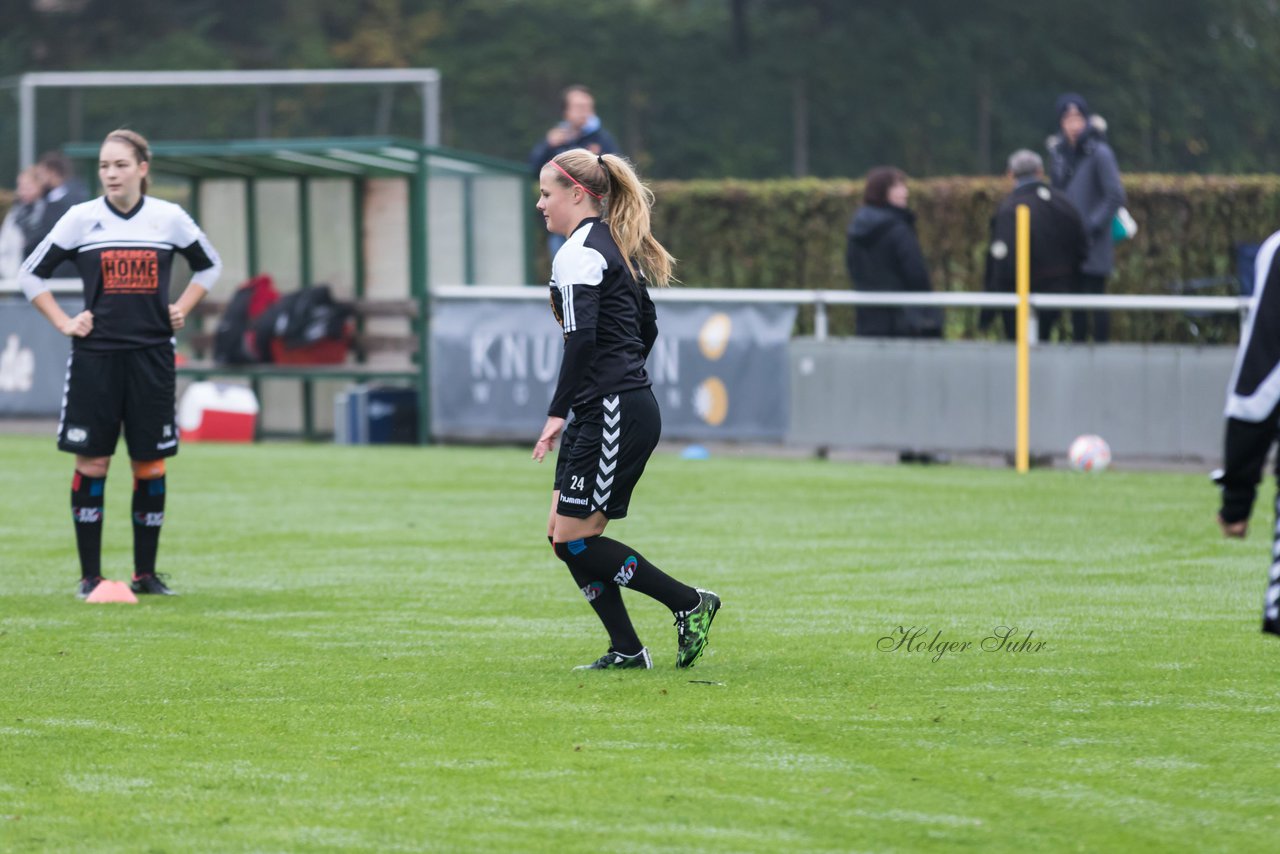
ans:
(199, 340)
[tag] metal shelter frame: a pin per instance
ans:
(426, 80)
(357, 160)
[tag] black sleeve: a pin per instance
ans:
(196, 257)
(648, 322)
(1247, 443)
(911, 260)
(50, 256)
(579, 349)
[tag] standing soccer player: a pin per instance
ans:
(121, 369)
(1253, 413)
(599, 295)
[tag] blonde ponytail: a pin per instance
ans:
(626, 203)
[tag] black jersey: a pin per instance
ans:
(608, 319)
(125, 261)
(1253, 396)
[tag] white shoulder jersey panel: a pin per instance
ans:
(125, 261)
(1254, 390)
(576, 264)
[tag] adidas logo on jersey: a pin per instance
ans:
(97, 226)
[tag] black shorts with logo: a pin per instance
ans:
(603, 455)
(133, 388)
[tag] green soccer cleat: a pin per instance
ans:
(617, 661)
(693, 626)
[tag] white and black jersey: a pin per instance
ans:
(1253, 397)
(608, 319)
(125, 260)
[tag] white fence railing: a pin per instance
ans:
(821, 299)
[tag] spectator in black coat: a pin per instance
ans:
(1082, 165)
(1058, 241)
(62, 190)
(883, 254)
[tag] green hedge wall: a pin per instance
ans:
(791, 234)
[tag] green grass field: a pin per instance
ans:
(372, 652)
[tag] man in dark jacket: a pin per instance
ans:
(1083, 166)
(1253, 413)
(62, 190)
(580, 128)
(1058, 243)
(883, 254)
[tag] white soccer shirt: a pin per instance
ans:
(125, 261)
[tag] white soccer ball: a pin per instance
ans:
(1089, 453)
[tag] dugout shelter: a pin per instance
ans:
(380, 220)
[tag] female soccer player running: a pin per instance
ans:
(599, 295)
(121, 369)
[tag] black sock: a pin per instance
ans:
(1271, 604)
(87, 499)
(606, 601)
(609, 559)
(148, 516)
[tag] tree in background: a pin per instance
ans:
(694, 88)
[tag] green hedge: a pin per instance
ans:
(791, 234)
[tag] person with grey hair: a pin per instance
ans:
(1058, 242)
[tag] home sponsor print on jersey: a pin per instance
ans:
(130, 271)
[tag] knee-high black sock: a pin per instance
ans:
(87, 499)
(606, 601)
(148, 516)
(609, 559)
(1271, 605)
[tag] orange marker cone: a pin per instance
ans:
(112, 591)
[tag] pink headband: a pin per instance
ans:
(574, 180)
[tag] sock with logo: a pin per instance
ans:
(148, 516)
(88, 496)
(611, 560)
(606, 601)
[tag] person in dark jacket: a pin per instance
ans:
(1058, 242)
(883, 254)
(62, 191)
(579, 128)
(1083, 166)
(1252, 418)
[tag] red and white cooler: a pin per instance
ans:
(217, 412)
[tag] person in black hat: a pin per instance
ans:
(1083, 166)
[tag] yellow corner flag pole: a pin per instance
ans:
(1023, 258)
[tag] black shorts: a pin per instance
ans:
(105, 390)
(602, 456)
